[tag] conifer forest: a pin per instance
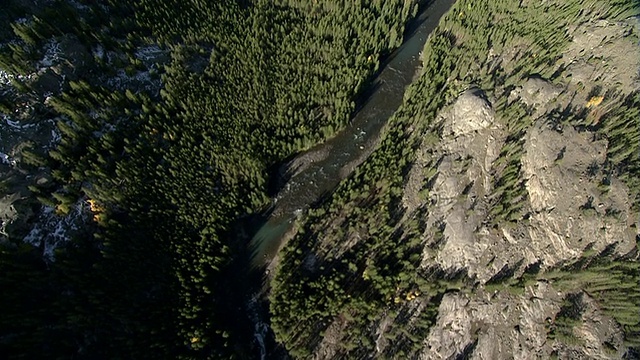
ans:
(176, 182)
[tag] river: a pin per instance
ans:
(317, 171)
(320, 169)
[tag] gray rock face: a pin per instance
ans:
(8, 212)
(469, 113)
(498, 326)
(569, 213)
(465, 154)
(510, 326)
(603, 51)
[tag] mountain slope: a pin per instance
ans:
(136, 136)
(499, 208)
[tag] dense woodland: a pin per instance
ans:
(326, 277)
(171, 164)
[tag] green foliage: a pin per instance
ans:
(359, 253)
(621, 126)
(566, 319)
(168, 171)
(244, 86)
(613, 283)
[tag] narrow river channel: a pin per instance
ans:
(318, 171)
(321, 168)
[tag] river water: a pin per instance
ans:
(318, 171)
(334, 159)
